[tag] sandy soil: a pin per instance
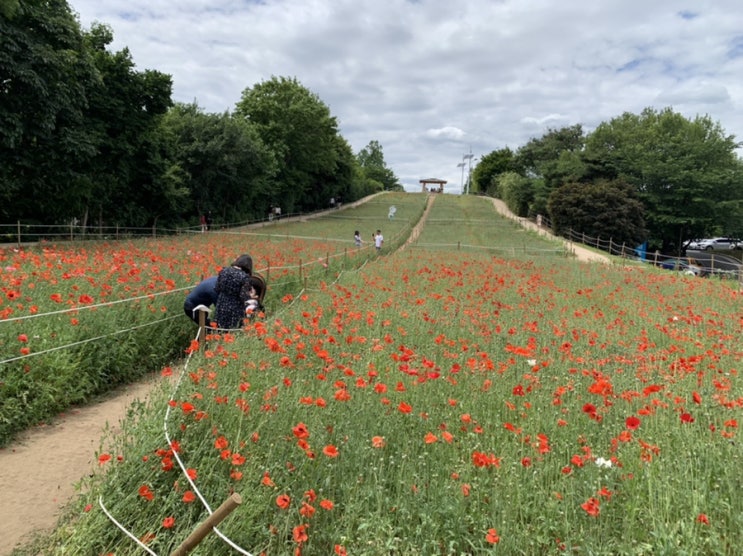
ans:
(39, 470)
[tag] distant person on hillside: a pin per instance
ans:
(357, 238)
(378, 240)
(205, 293)
(230, 301)
(202, 221)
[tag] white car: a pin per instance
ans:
(716, 243)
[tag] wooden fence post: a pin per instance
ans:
(202, 329)
(208, 525)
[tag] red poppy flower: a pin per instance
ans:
(330, 451)
(146, 493)
(299, 534)
(591, 506)
(703, 519)
(189, 497)
(589, 408)
(430, 438)
(300, 431)
(632, 423)
(306, 510)
(283, 501)
(687, 418)
(169, 522)
(404, 408)
(492, 536)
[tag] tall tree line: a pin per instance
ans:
(85, 137)
(655, 176)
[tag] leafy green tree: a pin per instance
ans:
(540, 158)
(132, 178)
(371, 160)
(298, 127)
(685, 172)
(600, 209)
(8, 8)
(516, 191)
(226, 167)
(490, 167)
(44, 143)
(550, 161)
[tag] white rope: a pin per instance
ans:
(95, 306)
(87, 340)
(120, 526)
(182, 465)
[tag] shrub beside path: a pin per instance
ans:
(38, 471)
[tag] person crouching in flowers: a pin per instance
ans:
(252, 293)
(230, 306)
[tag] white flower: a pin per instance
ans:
(531, 362)
(601, 462)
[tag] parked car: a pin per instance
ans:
(687, 266)
(716, 243)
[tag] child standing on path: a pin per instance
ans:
(378, 240)
(357, 238)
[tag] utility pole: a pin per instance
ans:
(468, 158)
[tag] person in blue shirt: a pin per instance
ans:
(205, 293)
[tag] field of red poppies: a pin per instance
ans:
(474, 392)
(77, 319)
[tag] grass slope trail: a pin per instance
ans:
(40, 469)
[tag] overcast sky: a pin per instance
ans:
(432, 79)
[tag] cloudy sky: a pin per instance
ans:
(432, 80)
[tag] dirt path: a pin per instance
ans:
(38, 471)
(581, 253)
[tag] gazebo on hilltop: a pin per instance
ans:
(438, 185)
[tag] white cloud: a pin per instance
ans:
(429, 79)
(447, 132)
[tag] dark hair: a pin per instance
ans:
(244, 262)
(257, 284)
